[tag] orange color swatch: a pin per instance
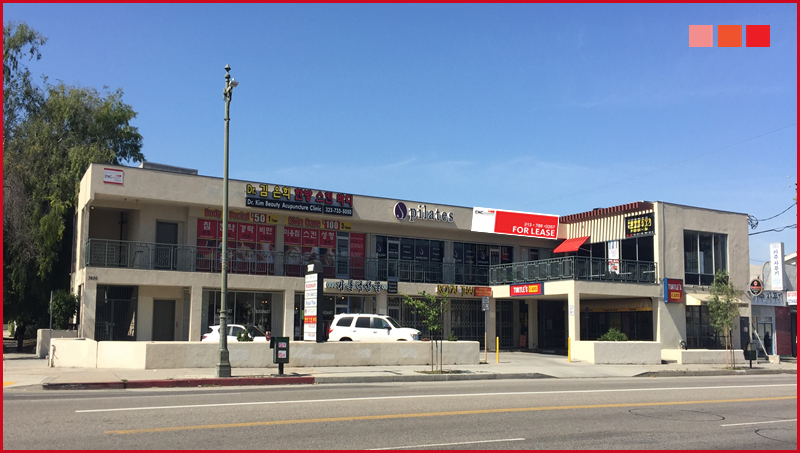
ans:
(729, 36)
(701, 36)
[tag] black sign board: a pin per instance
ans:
(640, 225)
(756, 287)
(406, 249)
(392, 287)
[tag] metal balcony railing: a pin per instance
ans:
(143, 255)
(187, 258)
(573, 268)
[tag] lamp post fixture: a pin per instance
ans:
(223, 368)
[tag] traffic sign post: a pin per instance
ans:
(485, 308)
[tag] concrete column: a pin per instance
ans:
(573, 314)
(382, 303)
(533, 324)
(287, 327)
(517, 327)
(88, 310)
(491, 327)
(196, 321)
(447, 323)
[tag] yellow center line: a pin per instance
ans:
(7, 383)
(434, 414)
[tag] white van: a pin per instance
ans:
(369, 328)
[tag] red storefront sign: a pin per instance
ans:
(327, 239)
(291, 236)
(207, 229)
(483, 291)
(265, 234)
(673, 290)
(310, 238)
(527, 289)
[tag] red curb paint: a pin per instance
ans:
(167, 383)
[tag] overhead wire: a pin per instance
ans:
(753, 221)
(777, 230)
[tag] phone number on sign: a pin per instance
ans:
(337, 211)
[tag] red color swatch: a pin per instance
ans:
(729, 36)
(757, 35)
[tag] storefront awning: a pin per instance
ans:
(571, 245)
(697, 298)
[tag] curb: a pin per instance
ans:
(168, 383)
(712, 373)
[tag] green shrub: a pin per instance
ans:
(613, 335)
(452, 337)
(65, 306)
(243, 336)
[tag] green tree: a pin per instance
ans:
(723, 308)
(432, 311)
(50, 136)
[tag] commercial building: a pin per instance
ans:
(773, 297)
(147, 262)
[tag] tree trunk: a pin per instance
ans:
(726, 346)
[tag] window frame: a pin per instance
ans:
(717, 252)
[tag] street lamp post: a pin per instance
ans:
(223, 368)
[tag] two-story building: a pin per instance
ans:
(148, 246)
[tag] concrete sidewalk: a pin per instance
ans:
(25, 372)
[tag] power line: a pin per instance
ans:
(777, 230)
(753, 221)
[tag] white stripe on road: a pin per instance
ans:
(374, 398)
(453, 443)
(758, 423)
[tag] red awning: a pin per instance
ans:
(570, 245)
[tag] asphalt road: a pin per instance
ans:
(731, 412)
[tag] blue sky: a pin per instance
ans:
(553, 109)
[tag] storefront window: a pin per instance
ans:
(704, 255)
(699, 332)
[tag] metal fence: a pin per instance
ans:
(187, 258)
(573, 268)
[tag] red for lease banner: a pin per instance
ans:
(515, 223)
(522, 224)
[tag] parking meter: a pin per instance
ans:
(280, 352)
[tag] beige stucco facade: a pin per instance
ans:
(131, 211)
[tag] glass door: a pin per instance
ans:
(343, 255)
(392, 255)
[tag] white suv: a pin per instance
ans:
(369, 328)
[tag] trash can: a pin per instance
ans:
(751, 353)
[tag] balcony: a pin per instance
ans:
(573, 268)
(188, 258)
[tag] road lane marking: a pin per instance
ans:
(374, 398)
(758, 423)
(450, 444)
(8, 383)
(434, 414)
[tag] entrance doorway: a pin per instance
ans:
(163, 320)
(552, 322)
(343, 255)
(764, 327)
(166, 240)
